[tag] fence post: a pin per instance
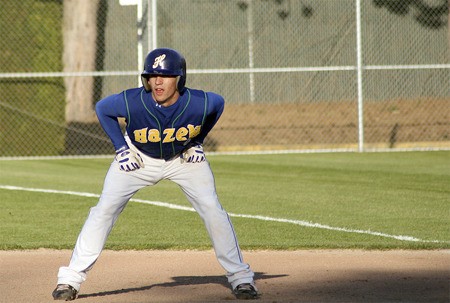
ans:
(250, 32)
(359, 78)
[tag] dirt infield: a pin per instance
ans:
(309, 125)
(195, 276)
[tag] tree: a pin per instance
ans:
(80, 35)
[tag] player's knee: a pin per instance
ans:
(212, 211)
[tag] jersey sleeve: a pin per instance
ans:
(108, 111)
(216, 105)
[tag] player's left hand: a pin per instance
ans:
(193, 154)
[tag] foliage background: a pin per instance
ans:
(310, 104)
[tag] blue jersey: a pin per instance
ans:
(157, 131)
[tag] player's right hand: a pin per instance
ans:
(128, 159)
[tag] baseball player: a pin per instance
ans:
(166, 124)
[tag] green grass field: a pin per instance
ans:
(397, 200)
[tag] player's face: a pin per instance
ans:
(164, 89)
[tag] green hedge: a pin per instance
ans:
(32, 109)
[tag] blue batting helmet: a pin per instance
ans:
(164, 61)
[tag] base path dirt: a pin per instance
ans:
(195, 276)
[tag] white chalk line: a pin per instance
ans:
(257, 217)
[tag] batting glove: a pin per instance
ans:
(193, 154)
(128, 159)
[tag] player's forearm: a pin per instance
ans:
(112, 128)
(110, 124)
(215, 110)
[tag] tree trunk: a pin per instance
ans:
(80, 35)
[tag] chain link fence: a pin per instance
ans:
(296, 74)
